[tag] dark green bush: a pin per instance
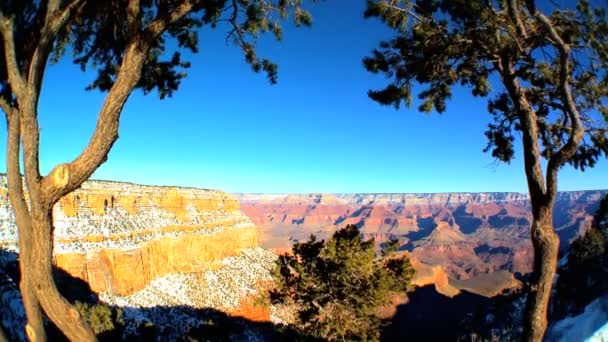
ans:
(338, 286)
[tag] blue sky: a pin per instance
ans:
(315, 131)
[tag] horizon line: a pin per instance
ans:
(4, 174)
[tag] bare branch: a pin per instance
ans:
(54, 21)
(6, 107)
(133, 17)
(160, 24)
(529, 131)
(15, 183)
(237, 32)
(407, 11)
(514, 11)
(12, 67)
(577, 130)
(67, 177)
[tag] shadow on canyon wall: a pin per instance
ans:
(431, 316)
(159, 323)
(428, 315)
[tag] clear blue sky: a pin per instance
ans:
(315, 131)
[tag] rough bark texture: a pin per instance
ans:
(35, 326)
(35, 222)
(546, 247)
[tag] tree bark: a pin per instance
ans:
(35, 224)
(35, 326)
(59, 310)
(546, 246)
(544, 240)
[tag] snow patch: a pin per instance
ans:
(591, 325)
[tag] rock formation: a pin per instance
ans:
(459, 235)
(128, 241)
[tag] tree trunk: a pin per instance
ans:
(35, 325)
(58, 309)
(546, 247)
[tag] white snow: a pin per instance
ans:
(591, 325)
(563, 261)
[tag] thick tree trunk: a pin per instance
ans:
(35, 224)
(35, 325)
(58, 309)
(546, 247)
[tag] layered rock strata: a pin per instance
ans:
(455, 236)
(119, 237)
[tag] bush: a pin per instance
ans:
(100, 317)
(337, 287)
(587, 268)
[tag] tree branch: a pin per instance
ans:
(66, 178)
(405, 10)
(529, 131)
(10, 56)
(163, 21)
(15, 183)
(133, 17)
(54, 21)
(6, 107)
(514, 10)
(24, 225)
(577, 131)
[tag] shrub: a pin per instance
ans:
(587, 268)
(337, 287)
(100, 317)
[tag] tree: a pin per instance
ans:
(550, 70)
(126, 41)
(586, 268)
(338, 286)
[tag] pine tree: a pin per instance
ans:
(337, 286)
(550, 84)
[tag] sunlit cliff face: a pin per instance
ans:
(129, 241)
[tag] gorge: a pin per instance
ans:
(472, 241)
(144, 247)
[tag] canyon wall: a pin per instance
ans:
(460, 236)
(119, 237)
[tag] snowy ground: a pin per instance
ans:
(591, 325)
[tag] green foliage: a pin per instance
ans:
(100, 317)
(337, 286)
(587, 248)
(98, 34)
(587, 268)
(262, 300)
(445, 43)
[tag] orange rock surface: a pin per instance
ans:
(126, 271)
(252, 311)
(119, 237)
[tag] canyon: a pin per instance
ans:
(478, 242)
(138, 247)
(158, 252)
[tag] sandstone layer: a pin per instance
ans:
(119, 237)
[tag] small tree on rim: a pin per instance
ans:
(337, 286)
